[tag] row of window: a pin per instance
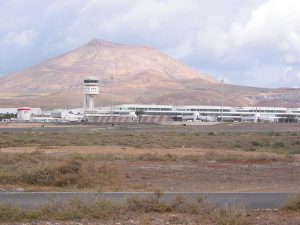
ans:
(91, 88)
(159, 114)
(210, 110)
(263, 111)
(91, 81)
(150, 109)
(238, 110)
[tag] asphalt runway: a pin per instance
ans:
(238, 200)
(79, 128)
(45, 129)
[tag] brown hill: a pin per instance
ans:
(128, 74)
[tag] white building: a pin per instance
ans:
(35, 111)
(24, 114)
(205, 113)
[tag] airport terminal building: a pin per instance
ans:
(157, 113)
(203, 113)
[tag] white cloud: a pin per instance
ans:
(253, 42)
(288, 70)
(20, 40)
(182, 50)
(263, 45)
(274, 26)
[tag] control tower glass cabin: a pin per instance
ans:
(91, 89)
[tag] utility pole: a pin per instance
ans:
(111, 96)
(93, 74)
(114, 75)
(222, 107)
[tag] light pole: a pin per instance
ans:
(113, 76)
(222, 99)
(111, 96)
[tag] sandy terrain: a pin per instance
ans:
(129, 150)
(184, 175)
(117, 150)
(211, 177)
(251, 217)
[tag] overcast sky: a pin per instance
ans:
(249, 42)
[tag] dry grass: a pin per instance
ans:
(257, 158)
(84, 170)
(231, 217)
(40, 169)
(73, 210)
(292, 204)
(154, 204)
(105, 210)
(287, 143)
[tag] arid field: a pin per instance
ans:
(139, 157)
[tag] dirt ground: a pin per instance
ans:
(127, 150)
(248, 218)
(205, 175)
(211, 177)
(220, 158)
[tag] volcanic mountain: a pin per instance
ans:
(127, 74)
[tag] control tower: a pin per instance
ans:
(91, 88)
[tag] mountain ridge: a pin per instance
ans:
(127, 74)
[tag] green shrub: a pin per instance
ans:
(273, 133)
(278, 144)
(237, 145)
(250, 149)
(294, 151)
(156, 157)
(169, 157)
(256, 144)
(191, 158)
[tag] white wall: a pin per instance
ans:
(15, 111)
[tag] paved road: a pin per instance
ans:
(78, 128)
(15, 130)
(247, 200)
(245, 127)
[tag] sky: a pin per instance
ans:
(252, 42)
